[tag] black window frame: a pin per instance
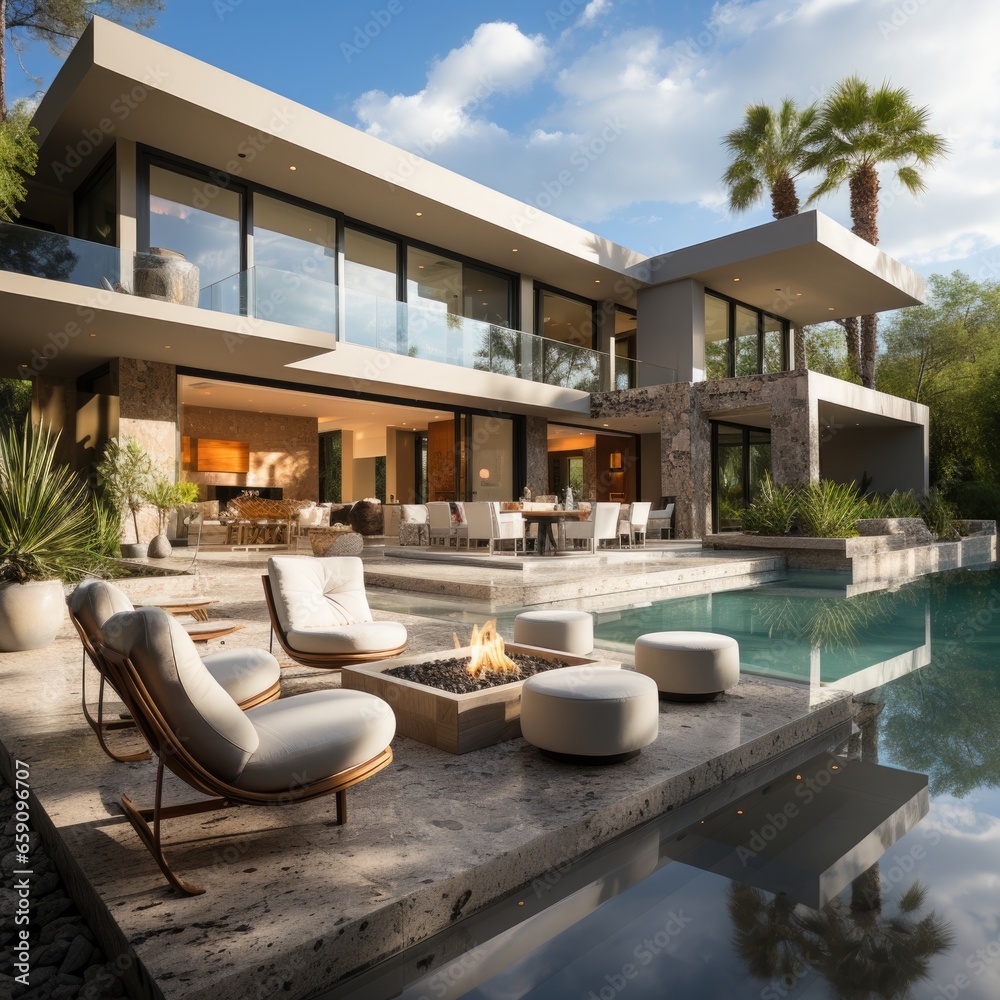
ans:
(760, 314)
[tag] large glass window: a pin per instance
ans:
(746, 341)
(96, 208)
(774, 345)
(716, 337)
(198, 219)
(565, 319)
(370, 290)
(741, 340)
(291, 240)
(452, 308)
(742, 459)
(625, 365)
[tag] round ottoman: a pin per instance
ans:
(568, 631)
(590, 715)
(689, 666)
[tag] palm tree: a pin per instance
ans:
(768, 151)
(856, 129)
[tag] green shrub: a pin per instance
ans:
(773, 510)
(939, 515)
(830, 510)
(976, 500)
(896, 504)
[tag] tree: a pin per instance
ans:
(768, 152)
(58, 23)
(857, 129)
(18, 157)
(946, 354)
(15, 401)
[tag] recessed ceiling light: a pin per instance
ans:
(513, 250)
(604, 425)
(597, 281)
(419, 214)
(166, 347)
(93, 335)
(829, 308)
(420, 267)
(736, 279)
(293, 168)
(798, 295)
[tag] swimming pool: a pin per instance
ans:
(924, 923)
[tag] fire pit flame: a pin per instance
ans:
(488, 654)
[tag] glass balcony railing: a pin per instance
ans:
(59, 258)
(423, 330)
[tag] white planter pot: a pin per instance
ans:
(30, 614)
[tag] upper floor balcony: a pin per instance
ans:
(423, 330)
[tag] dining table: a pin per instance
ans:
(547, 543)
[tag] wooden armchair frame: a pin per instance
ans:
(171, 750)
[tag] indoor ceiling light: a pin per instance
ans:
(293, 168)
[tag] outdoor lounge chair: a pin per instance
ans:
(250, 676)
(320, 613)
(289, 750)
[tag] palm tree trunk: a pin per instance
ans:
(864, 212)
(869, 349)
(853, 342)
(784, 200)
(864, 203)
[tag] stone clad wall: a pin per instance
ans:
(284, 450)
(781, 401)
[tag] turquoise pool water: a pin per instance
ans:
(924, 923)
(792, 632)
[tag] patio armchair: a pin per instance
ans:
(632, 524)
(320, 613)
(600, 527)
(249, 676)
(287, 751)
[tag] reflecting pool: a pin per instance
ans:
(923, 922)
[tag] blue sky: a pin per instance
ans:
(609, 112)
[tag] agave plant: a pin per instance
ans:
(772, 511)
(830, 510)
(47, 529)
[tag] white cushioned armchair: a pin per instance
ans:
(288, 750)
(320, 613)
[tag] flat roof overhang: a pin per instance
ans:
(807, 268)
(117, 83)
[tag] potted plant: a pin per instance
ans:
(166, 496)
(125, 473)
(47, 535)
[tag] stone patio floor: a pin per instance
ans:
(294, 903)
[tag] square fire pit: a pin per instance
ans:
(457, 723)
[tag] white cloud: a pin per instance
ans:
(498, 59)
(637, 117)
(594, 10)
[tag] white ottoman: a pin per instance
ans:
(591, 715)
(689, 666)
(569, 631)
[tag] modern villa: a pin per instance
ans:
(309, 282)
